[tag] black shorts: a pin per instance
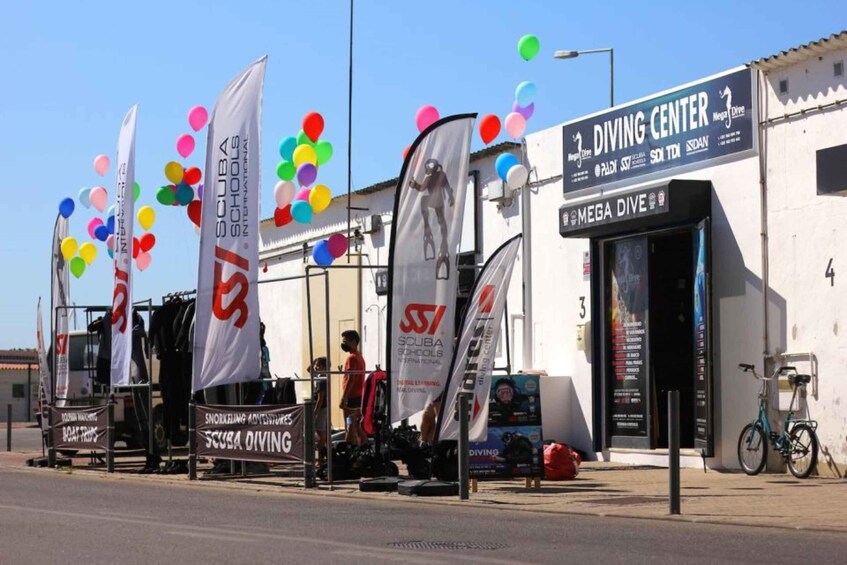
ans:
(354, 403)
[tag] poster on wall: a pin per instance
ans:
(702, 367)
(711, 119)
(629, 324)
(514, 446)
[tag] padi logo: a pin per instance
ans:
(580, 153)
(605, 169)
(697, 144)
(731, 111)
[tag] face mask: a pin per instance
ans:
(345, 348)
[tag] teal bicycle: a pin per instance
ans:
(798, 441)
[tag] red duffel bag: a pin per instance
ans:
(561, 463)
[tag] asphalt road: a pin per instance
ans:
(48, 516)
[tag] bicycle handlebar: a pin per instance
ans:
(747, 367)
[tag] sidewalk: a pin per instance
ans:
(602, 489)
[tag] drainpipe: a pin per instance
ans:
(763, 190)
(526, 254)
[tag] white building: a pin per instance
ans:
(738, 174)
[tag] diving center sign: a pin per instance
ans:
(707, 120)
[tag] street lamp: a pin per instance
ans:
(610, 51)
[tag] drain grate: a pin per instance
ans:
(448, 545)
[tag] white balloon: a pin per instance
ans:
(517, 176)
(284, 193)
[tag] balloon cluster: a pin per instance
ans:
(511, 171)
(141, 246)
(302, 156)
(184, 188)
(328, 250)
(78, 255)
(523, 106)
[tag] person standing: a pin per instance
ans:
(352, 387)
(321, 413)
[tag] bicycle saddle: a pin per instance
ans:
(797, 380)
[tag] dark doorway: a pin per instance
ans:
(671, 330)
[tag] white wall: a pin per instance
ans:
(806, 231)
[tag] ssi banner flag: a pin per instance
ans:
(713, 118)
(59, 300)
(422, 277)
(265, 434)
(473, 358)
(43, 370)
(226, 338)
(79, 427)
(124, 218)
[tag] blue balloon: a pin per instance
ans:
(101, 232)
(66, 207)
(85, 197)
(525, 93)
(504, 162)
(110, 211)
(110, 225)
(110, 252)
(321, 254)
(287, 147)
(301, 211)
(184, 194)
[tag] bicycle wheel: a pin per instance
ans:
(752, 449)
(803, 457)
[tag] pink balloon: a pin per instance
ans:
(515, 125)
(197, 117)
(99, 198)
(337, 244)
(93, 223)
(101, 165)
(110, 242)
(425, 117)
(303, 194)
(143, 260)
(185, 145)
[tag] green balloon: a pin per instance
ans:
(136, 191)
(303, 138)
(77, 266)
(165, 196)
(286, 170)
(528, 47)
(324, 151)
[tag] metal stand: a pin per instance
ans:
(192, 441)
(464, 462)
(8, 427)
(51, 451)
(309, 459)
(110, 435)
(673, 450)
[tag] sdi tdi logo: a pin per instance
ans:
(418, 321)
(238, 280)
(120, 298)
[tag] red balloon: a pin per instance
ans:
(489, 128)
(135, 245)
(406, 151)
(194, 209)
(282, 216)
(147, 241)
(313, 125)
(192, 175)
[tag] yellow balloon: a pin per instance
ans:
(146, 217)
(319, 198)
(69, 247)
(305, 154)
(88, 252)
(174, 171)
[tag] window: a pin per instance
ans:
(838, 68)
(18, 390)
(783, 86)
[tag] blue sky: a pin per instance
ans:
(72, 70)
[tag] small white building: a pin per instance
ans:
(19, 384)
(670, 239)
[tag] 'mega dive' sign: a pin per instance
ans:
(710, 119)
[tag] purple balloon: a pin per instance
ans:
(306, 174)
(200, 192)
(525, 112)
